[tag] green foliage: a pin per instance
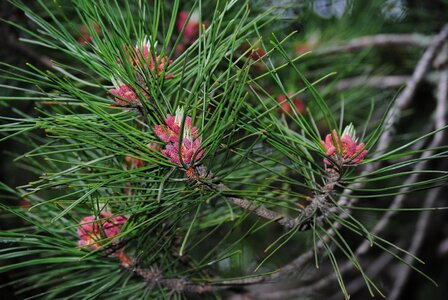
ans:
(80, 144)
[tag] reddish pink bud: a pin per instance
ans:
(189, 151)
(170, 132)
(286, 107)
(91, 231)
(134, 162)
(160, 63)
(125, 96)
(343, 151)
(191, 28)
(302, 48)
(141, 57)
(255, 53)
(84, 35)
(190, 147)
(24, 203)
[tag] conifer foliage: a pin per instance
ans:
(197, 149)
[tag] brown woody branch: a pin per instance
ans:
(154, 277)
(373, 81)
(380, 40)
(317, 203)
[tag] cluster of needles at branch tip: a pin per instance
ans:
(141, 59)
(192, 204)
(343, 151)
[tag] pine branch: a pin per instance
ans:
(154, 277)
(380, 40)
(421, 68)
(210, 80)
(373, 81)
(317, 202)
(398, 200)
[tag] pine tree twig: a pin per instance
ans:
(154, 277)
(318, 202)
(382, 82)
(440, 121)
(441, 61)
(380, 40)
(386, 138)
(264, 213)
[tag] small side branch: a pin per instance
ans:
(154, 277)
(317, 202)
(385, 139)
(373, 81)
(264, 213)
(380, 40)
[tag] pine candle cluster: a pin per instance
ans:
(140, 57)
(181, 150)
(343, 151)
(93, 231)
